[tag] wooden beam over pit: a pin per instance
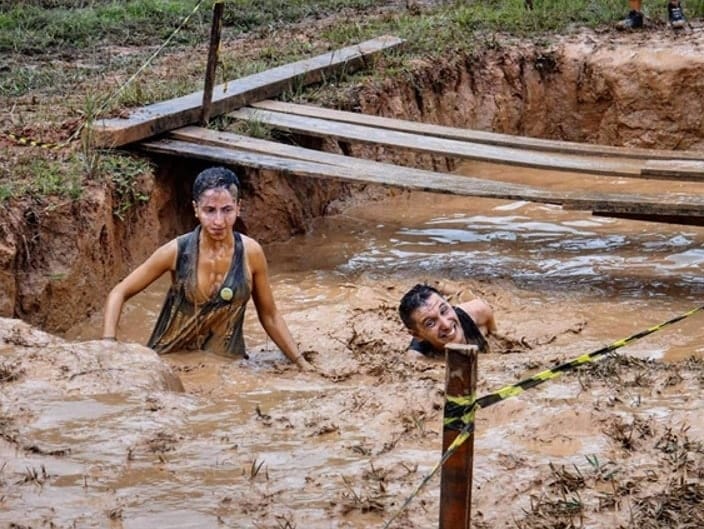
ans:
(484, 137)
(164, 116)
(231, 149)
(417, 142)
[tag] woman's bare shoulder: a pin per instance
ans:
(256, 260)
(167, 252)
(251, 244)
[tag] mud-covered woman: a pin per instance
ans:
(214, 271)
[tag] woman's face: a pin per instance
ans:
(217, 212)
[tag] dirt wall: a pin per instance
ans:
(59, 261)
(644, 90)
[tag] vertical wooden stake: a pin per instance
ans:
(215, 32)
(456, 473)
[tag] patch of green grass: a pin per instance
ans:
(140, 92)
(32, 29)
(246, 15)
(65, 177)
(39, 177)
(251, 127)
(20, 74)
(7, 191)
(21, 79)
(48, 4)
(51, 179)
(42, 26)
(124, 173)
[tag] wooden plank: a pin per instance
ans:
(204, 136)
(440, 146)
(441, 182)
(229, 139)
(167, 115)
(666, 205)
(640, 205)
(478, 136)
(674, 169)
(667, 219)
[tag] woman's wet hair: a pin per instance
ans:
(413, 299)
(216, 178)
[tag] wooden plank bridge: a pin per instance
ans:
(246, 99)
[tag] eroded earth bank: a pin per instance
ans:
(95, 434)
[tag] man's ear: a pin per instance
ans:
(414, 333)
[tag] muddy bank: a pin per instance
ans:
(44, 363)
(38, 371)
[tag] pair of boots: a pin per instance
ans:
(634, 20)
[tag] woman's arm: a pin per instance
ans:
(162, 260)
(269, 315)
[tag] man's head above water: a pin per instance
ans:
(429, 317)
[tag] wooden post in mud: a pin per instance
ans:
(456, 473)
(215, 32)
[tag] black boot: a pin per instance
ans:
(634, 20)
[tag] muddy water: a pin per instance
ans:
(252, 443)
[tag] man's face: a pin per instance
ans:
(436, 322)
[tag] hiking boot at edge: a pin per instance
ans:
(634, 20)
(675, 16)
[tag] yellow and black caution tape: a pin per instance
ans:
(460, 411)
(21, 140)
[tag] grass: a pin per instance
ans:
(141, 93)
(34, 29)
(58, 26)
(42, 29)
(124, 173)
(38, 177)
(65, 177)
(65, 49)
(251, 127)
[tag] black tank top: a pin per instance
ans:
(472, 335)
(214, 325)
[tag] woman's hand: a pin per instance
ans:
(304, 365)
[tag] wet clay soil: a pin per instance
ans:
(96, 434)
(253, 443)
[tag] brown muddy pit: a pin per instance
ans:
(92, 436)
(253, 443)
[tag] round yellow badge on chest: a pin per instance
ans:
(226, 294)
